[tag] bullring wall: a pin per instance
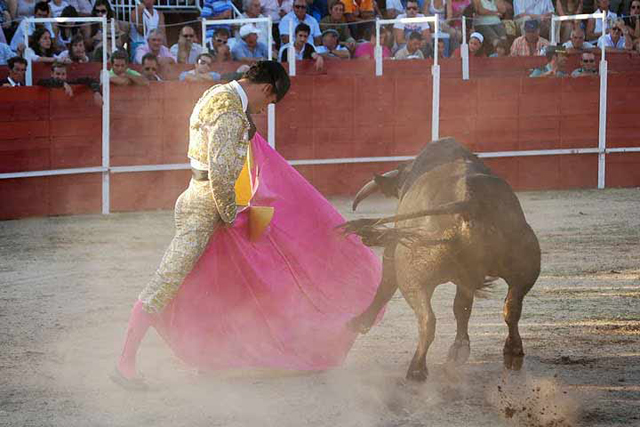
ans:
(343, 112)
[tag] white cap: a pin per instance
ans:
(477, 36)
(247, 29)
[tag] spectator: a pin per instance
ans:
(303, 49)
(617, 38)
(502, 50)
(67, 30)
(150, 67)
(476, 46)
(203, 71)
(120, 73)
(594, 26)
(538, 10)
(40, 46)
(145, 20)
(154, 45)
(17, 69)
(75, 53)
(318, 9)
(58, 79)
(248, 49)
(25, 9)
(6, 19)
(299, 16)
(488, 22)
(455, 10)
(529, 44)
(186, 50)
(336, 21)
(330, 47)
(93, 33)
(556, 61)
(41, 11)
(57, 6)
(576, 42)
(217, 10)
(588, 66)
(402, 31)
(567, 8)
(439, 8)
(276, 9)
(362, 10)
(411, 50)
(367, 50)
(5, 53)
(252, 10)
(218, 45)
(84, 7)
(633, 21)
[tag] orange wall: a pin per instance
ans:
(343, 112)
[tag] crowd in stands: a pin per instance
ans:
(323, 30)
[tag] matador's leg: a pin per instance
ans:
(196, 219)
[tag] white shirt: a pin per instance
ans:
(396, 5)
(150, 21)
(607, 41)
(610, 18)
(585, 45)
(532, 7)
(56, 10)
(12, 83)
(245, 103)
(299, 54)
(272, 8)
(196, 50)
(411, 27)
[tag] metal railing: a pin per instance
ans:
(106, 102)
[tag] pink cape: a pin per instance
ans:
(282, 301)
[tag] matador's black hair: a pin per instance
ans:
(271, 72)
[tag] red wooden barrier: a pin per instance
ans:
(343, 112)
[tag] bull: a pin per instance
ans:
(456, 222)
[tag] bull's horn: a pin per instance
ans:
(369, 188)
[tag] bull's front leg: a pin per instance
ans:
(388, 286)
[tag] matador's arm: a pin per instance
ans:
(227, 151)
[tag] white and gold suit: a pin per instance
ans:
(218, 143)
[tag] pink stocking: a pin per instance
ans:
(139, 323)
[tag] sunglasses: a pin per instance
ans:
(150, 68)
(412, 8)
(188, 36)
(221, 41)
(616, 29)
(101, 11)
(299, 6)
(588, 61)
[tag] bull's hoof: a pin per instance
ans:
(362, 323)
(513, 362)
(418, 375)
(459, 352)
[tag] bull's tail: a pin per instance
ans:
(374, 233)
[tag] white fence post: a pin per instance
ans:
(106, 107)
(602, 125)
(291, 51)
(464, 50)
(378, 50)
(435, 103)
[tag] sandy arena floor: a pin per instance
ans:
(67, 285)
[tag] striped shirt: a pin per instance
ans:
(213, 8)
